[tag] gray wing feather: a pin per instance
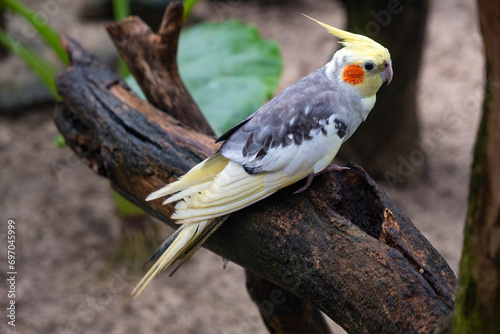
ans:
(301, 111)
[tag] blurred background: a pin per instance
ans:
(78, 253)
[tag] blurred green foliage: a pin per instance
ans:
(41, 25)
(42, 68)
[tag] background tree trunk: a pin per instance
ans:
(478, 299)
(392, 131)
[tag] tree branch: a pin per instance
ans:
(152, 59)
(342, 245)
(282, 311)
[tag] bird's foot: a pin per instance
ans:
(333, 168)
(310, 177)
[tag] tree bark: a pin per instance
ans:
(478, 303)
(282, 311)
(388, 139)
(342, 245)
(152, 59)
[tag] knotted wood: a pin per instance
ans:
(152, 59)
(342, 245)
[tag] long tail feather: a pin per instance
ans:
(181, 245)
(213, 225)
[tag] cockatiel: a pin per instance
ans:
(295, 135)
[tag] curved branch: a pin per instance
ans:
(152, 59)
(342, 245)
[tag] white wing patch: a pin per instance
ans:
(231, 190)
(219, 186)
(309, 156)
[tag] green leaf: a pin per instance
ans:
(40, 24)
(188, 5)
(59, 141)
(125, 208)
(121, 10)
(229, 70)
(42, 68)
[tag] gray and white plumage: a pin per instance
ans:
(296, 134)
(311, 116)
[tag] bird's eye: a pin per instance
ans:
(369, 66)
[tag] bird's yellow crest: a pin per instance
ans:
(361, 44)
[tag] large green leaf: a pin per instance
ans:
(229, 70)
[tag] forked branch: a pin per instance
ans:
(342, 245)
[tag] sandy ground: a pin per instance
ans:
(66, 226)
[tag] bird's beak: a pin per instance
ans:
(386, 74)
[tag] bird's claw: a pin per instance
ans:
(310, 177)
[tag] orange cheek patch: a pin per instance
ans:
(353, 74)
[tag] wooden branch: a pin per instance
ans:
(152, 59)
(342, 245)
(282, 311)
